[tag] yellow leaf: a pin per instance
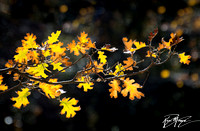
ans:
(102, 57)
(119, 70)
(83, 38)
(69, 107)
(2, 87)
(115, 88)
(29, 41)
(57, 50)
(50, 90)
(38, 70)
(21, 57)
(57, 66)
(87, 85)
(22, 98)
(138, 45)
(131, 89)
(184, 58)
(54, 37)
(129, 62)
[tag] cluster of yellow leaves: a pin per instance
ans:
(129, 87)
(40, 60)
(82, 45)
(3, 87)
(22, 98)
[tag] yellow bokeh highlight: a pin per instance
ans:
(63, 8)
(161, 9)
(165, 74)
(179, 83)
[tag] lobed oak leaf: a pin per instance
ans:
(22, 98)
(50, 90)
(119, 70)
(87, 85)
(102, 57)
(29, 41)
(131, 89)
(2, 87)
(115, 88)
(184, 58)
(57, 50)
(21, 57)
(69, 107)
(128, 44)
(57, 66)
(83, 38)
(73, 48)
(138, 45)
(54, 37)
(38, 70)
(129, 63)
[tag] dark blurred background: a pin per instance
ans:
(171, 88)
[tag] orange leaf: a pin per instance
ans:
(115, 88)
(132, 89)
(73, 48)
(129, 62)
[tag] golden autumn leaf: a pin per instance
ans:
(83, 38)
(21, 57)
(57, 66)
(138, 45)
(29, 41)
(50, 90)
(21, 99)
(87, 85)
(119, 70)
(115, 88)
(73, 48)
(129, 63)
(38, 70)
(184, 58)
(131, 89)
(3, 87)
(57, 50)
(102, 57)
(54, 37)
(69, 107)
